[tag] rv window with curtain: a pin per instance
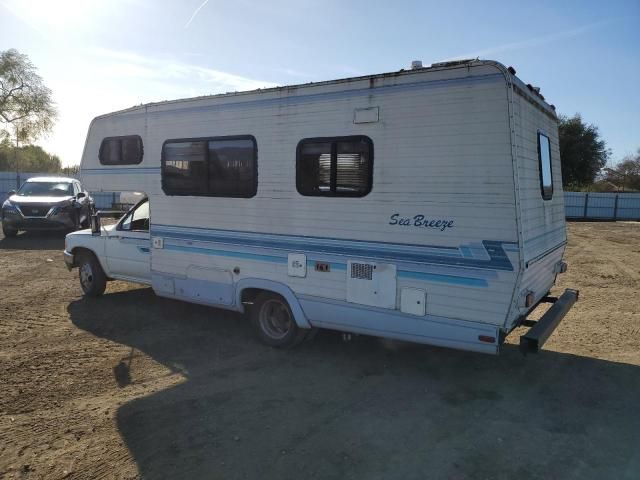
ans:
(335, 167)
(125, 150)
(544, 159)
(214, 167)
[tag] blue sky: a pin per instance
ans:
(102, 55)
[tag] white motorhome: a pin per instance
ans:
(422, 205)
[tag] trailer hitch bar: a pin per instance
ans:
(534, 339)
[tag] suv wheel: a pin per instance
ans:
(8, 231)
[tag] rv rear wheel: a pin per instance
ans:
(92, 278)
(274, 323)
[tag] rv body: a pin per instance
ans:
(448, 228)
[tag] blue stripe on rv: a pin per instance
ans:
(447, 256)
(433, 277)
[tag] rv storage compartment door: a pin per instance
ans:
(209, 285)
(371, 284)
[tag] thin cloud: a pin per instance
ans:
(100, 80)
(293, 73)
(20, 15)
(533, 42)
(186, 25)
(172, 74)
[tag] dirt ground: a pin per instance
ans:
(133, 386)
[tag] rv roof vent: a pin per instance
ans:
(416, 64)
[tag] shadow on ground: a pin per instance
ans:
(34, 241)
(366, 409)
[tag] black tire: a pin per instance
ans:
(273, 321)
(92, 278)
(8, 231)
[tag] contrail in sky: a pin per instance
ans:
(186, 25)
(536, 41)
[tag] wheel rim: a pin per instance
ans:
(275, 319)
(86, 276)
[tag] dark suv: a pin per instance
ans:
(46, 203)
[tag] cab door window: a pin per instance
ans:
(137, 220)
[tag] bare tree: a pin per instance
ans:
(26, 107)
(626, 172)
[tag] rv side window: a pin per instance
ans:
(544, 159)
(335, 167)
(214, 167)
(125, 150)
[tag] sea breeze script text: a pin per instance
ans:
(420, 221)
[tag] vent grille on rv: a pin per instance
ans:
(362, 271)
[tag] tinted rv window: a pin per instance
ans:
(216, 167)
(125, 150)
(335, 167)
(544, 158)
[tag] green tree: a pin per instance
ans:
(26, 106)
(31, 158)
(71, 170)
(584, 154)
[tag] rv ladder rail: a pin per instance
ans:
(534, 339)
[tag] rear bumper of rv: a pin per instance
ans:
(534, 339)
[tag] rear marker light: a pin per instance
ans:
(487, 339)
(529, 300)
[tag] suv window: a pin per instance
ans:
(138, 219)
(46, 189)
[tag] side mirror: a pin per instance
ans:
(81, 195)
(95, 224)
(11, 192)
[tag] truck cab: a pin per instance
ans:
(119, 251)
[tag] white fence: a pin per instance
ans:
(602, 206)
(12, 181)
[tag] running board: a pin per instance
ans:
(535, 338)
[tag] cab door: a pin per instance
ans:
(127, 247)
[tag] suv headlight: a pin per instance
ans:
(7, 205)
(60, 207)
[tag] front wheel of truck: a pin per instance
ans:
(92, 278)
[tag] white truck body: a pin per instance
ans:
(452, 246)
